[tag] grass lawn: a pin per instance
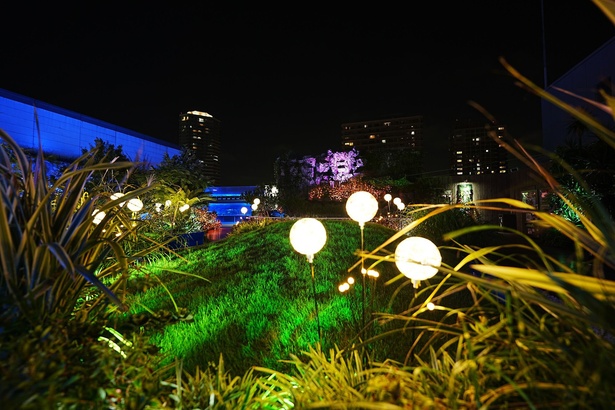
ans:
(249, 297)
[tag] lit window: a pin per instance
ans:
(459, 152)
(384, 141)
(371, 137)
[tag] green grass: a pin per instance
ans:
(256, 306)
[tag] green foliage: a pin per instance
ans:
(504, 324)
(112, 180)
(72, 364)
(399, 163)
(183, 172)
(51, 249)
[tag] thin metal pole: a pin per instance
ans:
(315, 301)
(544, 45)
(363, 281)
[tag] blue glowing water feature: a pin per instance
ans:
(227, 201)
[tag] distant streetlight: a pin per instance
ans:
(308, 236)
(400, 206)
(417, 258)
(387, 197)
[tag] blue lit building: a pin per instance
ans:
(66, 133)
(227, 202)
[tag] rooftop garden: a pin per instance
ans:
(99, 311)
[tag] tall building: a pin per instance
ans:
(200, 132)
(474, 152)
(384, 135)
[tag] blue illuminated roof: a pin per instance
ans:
(80, 117)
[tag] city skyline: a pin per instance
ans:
(286, 81)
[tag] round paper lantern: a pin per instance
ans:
(387, 197)
(362, 206)
(308, 236)
(98, 216)
(417, 258)
(135, 204)
(118, 195)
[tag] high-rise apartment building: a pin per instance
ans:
(384, 135)
(200, 132)
(474, 152)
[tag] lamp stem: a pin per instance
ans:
(315, 301)
(363, 281)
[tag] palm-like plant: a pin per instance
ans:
(52, 246)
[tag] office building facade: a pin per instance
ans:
(200, 133)
(384, 135)
(474, 152)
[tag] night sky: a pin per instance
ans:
(284, 79)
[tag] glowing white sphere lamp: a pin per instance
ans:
(388, 197)
(184, 208)
(256, 201)
(118, 195)
(417, 258)
(98, 216)
(308, 236)
(254, 206)
(362, 207)
(401, 206)
(396, 201)
(244, 210)
(135, 204)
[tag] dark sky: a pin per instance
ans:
(285, 78)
